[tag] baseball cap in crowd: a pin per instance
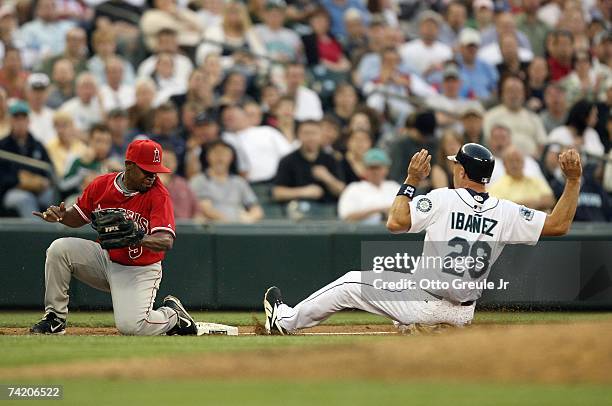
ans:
(18, 107)
(429, 15)
(204, 118)
(117, 112)
(352, 14)
(376, 157)
(469, 36)
(473, 108)
(451, 71)
(38, 81)
(147, 155)
(483, 3)
(275, 4)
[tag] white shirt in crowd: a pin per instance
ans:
(420, 57)
(41, 125)
(591, 141)
(182, 67)
(84, 115)
(307, 105)
(262, 147)
(531, 169)
(364, 195)
(491, 54)
(122, 98)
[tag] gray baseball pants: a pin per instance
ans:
(133, 288)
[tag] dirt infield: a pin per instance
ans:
(550, 353)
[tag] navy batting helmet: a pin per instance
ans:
(477, 161)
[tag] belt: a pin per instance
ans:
(468, 303)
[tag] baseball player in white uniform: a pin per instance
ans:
(469, 222)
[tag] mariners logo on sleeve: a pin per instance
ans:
(424, 205)
(526, 213)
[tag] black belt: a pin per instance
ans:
(468, 303)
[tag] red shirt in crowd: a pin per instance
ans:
(152, 211)
(329, 50)
(557, 69)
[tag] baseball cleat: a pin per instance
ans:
(185, 326)
(49, 324)
(273, 299)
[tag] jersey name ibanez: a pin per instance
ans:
(468, 231)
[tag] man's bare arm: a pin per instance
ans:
(59, 214)
(559, 221)
(159, 241)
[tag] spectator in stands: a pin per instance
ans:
(117, 123)
(337, 10)
(449, 101)
(537, 79)
(166, 81)
(344, 103)
(504, 25)
(41, 116)
(167, 43)
(321, 47)
(331, 130)
(426, 53)
(378, 39)
(307, 102)
(535, 29)
(23, 188)
(86, 108)
(166, 132)
(12, 75)
(454, 22)
(471, 122)
(582, 82)
(555, 107)
(44, 36)
(224, 197)
(168, 15)
(282, 44)
(114, 93)
(511, 63)
(184, 200)
(66, 146)
(602, 56)
(198, 91)
(442, 170)
(578, 131)
(500, 140)
(211, 13)
(355, 43)
(483, 15)
(5, 120)
(253, 113)
(368, 201)
(284, 121)
(62, 84)
(419, 129)
(93, 162)
(561, 53)
(104, 43)
(235, 33)
(518, 188)
(308, 173)
(234, 89)
(123, 18)
(188, 113)
(528, 133)
(262, 146)
(75, 51)
(270, 95)
(141, 113)
(479, 79)
(352, 165)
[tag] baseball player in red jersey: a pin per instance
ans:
(131, 274)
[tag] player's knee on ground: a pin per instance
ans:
(130, 326)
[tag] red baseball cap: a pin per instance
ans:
(147, 155)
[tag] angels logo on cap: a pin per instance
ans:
(147, 155)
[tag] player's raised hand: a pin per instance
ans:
(419, 168)
(570, 164)
(53, 214)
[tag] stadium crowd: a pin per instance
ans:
(304, 109)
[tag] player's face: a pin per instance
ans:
(138, 179)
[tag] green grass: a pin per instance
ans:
(354, 393)
(105, 319)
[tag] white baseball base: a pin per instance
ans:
(216, 329)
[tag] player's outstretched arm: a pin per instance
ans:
(399, 215)
(59, 214)
(559, 221)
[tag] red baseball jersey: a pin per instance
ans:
(152, 211)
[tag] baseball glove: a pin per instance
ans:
(115, 229)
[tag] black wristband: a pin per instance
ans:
(407, 190)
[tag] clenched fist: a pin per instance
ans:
(570, 164)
